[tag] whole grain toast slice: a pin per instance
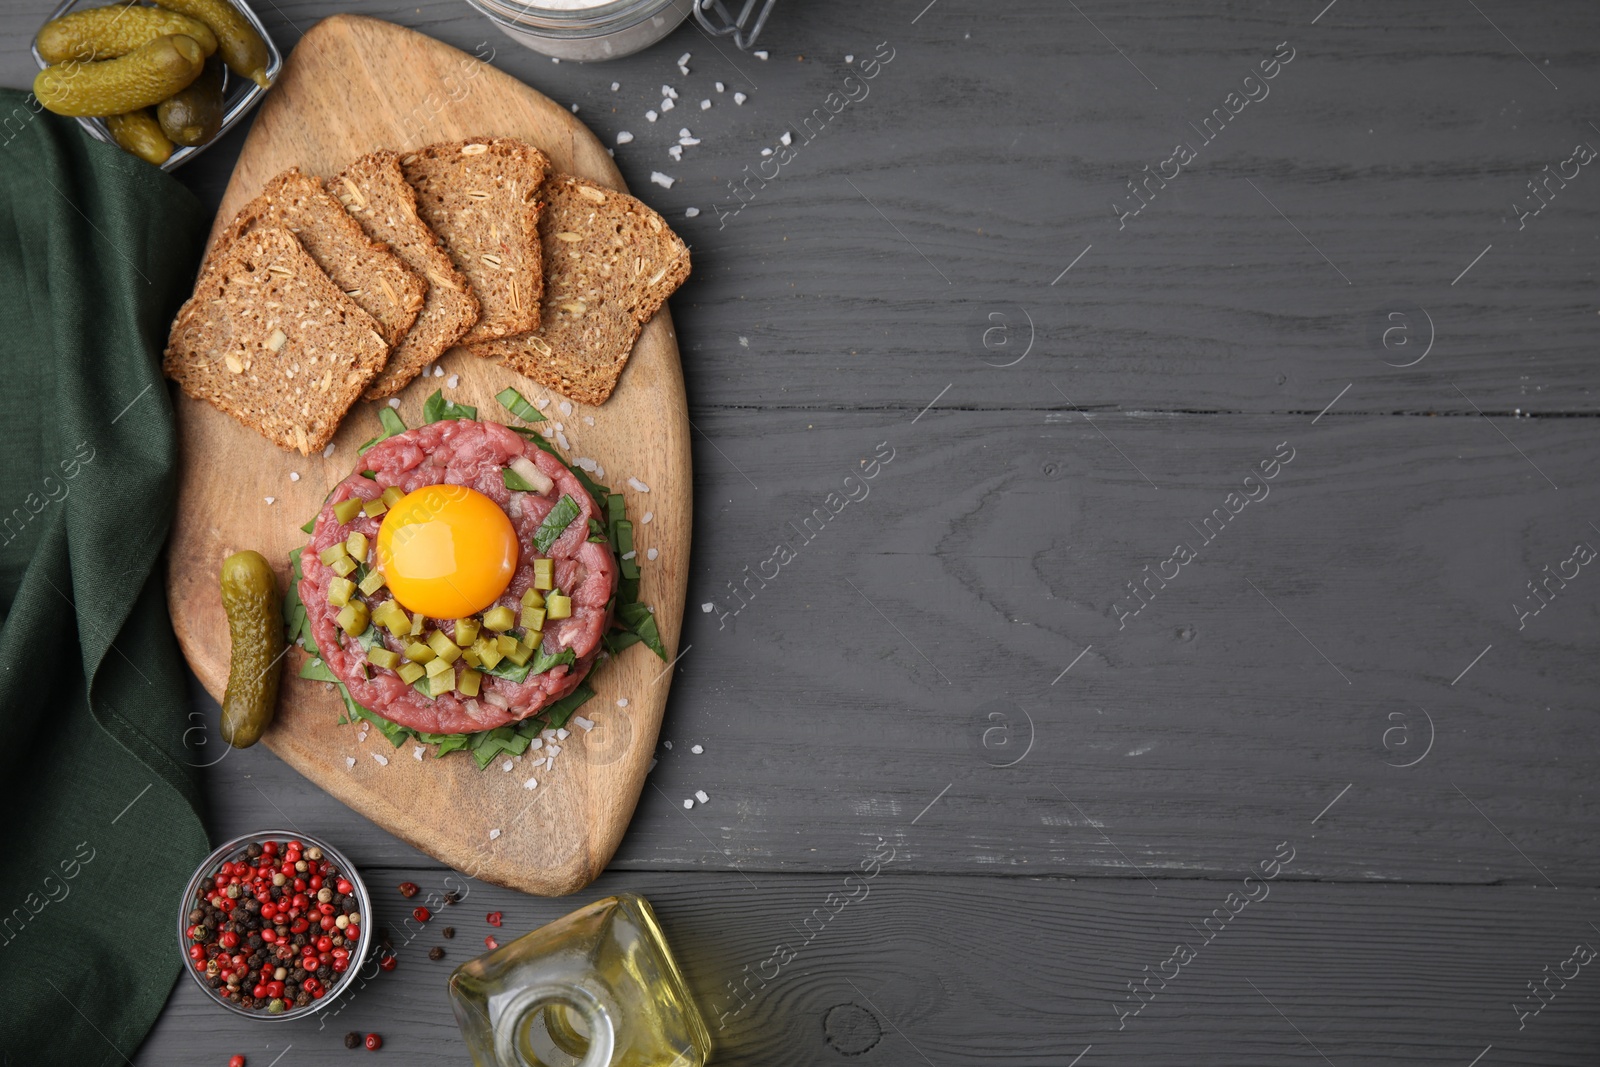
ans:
(373, 190)
(481, 196)
(376, 279)
(270, 340)
(610, 262)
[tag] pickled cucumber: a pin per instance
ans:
(109, 32)
(240, 44)
(138, 132)
(255, 624)
(147, 75)
(193, 115)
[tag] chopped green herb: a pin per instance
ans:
(392, 424)
(515, 482)
(436, 409)
(555, 524)
(597, 532)
(558, 713)
(538, 664)
(639, 619)
(370, 474)
(513, 402)
(311, 524)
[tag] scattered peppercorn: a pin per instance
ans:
(374, 1042)
(387, 962)
(352, 1040)
(422, 915)
(448, 931)
(494, 918)
(452, 897)
(491, 942)
(236, 1061)
(436, 953)
(409, 889)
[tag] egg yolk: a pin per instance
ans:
(446, 551)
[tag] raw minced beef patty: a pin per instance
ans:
(462, 452)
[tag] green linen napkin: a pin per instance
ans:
(97, 250)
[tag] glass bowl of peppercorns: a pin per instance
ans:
(274, 924)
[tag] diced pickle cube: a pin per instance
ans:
(446, 649)
(343, 567)
(334, 553)
(345, 510)
(410, 672)
(437, 666)
(417, 652)
(533, 599)
(340, 591)
(418, 621)
(353, 618)
(441, 683)
(489, 652)
(470, 657)
(379, 656)
(372, 582)
(533, 638)
(466, 631)
(558, 606)
(356, 545)
(533, 618)
(544, 574)
(522, 654)
(506, 643)
(499, 619)
(389, 616)
(375, 507)
(393, 495)
(469, 682)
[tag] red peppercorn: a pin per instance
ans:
(315, 881)
(324, 943)
(387, 963)
(344, 887)
(260, 990)
(299, 926)
(197, 952)
(409, 889)
(351, 933)
(235, 1061)
(339, 966)
(374, 1042)
(422, 915)
(494, 918)
(269, 848)
(327, 922)
(229, 939)
(268, 910)
(327, 908)
(269, 935)
(491, 942)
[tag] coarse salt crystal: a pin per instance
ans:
(586, 463)
(493, 834)
(537, 742)
(394, 402)
(622, 702)
(582, 723)
(383, 761)
(624, 137)
(740, 98)
(705, 105)
(683, 70)
(540, 762)
(668, 744)
(566, 407)
(653, 765)
(270, 499)
(615, 86)
(721, 88)
(560, 426)
(687, 803)
(588, 420)
(697, 750)
(786, 138)
(574, 109)
(650, 116)
(553, 750)
(652, 554)
(849, 59)
(561, 439)
(688, 142)
(766, 151)
(530, 783)
(683, 59)
(326, 452)
(629, 554)
(417, 752)
(744, 342)
(708, 607)
(661, 179)
(760, 53)
(638, 485)
(691, 213)
(438, 372)
(294, 476)
(349, 761)
(700, 795)
(506, 766)
(676, 153)
(667, 105)
(563, 733)
(647, 517)
(453, 381)
(669, 92)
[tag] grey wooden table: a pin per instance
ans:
(1212, 666)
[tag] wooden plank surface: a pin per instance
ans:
(882, 290)
(237, 491)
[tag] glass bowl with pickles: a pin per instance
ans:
(161, 81)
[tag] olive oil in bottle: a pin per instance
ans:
(598, 988)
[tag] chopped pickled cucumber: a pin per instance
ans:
(372, 583)
(441, 683)
(193, 115)
(417, 652)
(340, 591)
(418, 621)
(466, 631)
(533, 618)
(533, 638)
(470, 657)
(506, 644)
(255, 627)
(116, 30)
(544, 574)
(379, 656)
(558, 606)
(499, 619)
(410, 672)
(145, 76)
(375, 507)
(393, 495)
(345, 510)
(356, 545)
(390, 617)
(469, 683)
(533, 599)
(438, 666)
(241, 46)
(353, 618)
(443, 647)
(333, 553)
(489, 652)
(520, 655)
(138, 132)
(342, 567)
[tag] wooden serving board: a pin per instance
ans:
(353, 85)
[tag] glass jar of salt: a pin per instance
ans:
(598, 988)
(585, 30)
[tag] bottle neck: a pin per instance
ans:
(554, 1026)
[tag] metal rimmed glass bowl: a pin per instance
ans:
(239, 95)
(234, 850)
(585, 30)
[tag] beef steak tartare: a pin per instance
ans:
(497, 666)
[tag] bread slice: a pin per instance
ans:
(481, 196)
(375, 192)
(267, 338)
(610, 262)
(372, 276)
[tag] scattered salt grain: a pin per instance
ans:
(562, 733)
(676, 152)
(438, 372)
(647, 517)
(629, 554)
(622, 702)
(661, 179)
(588, 420)
(653, 765)
(540, 762)
(700, 795)
(561, 439)
(530, 783)
(683, 59)
(394, 402)
(326, 452)
(707, 607)
(566, 407)
(638, 485)
(543, 403)
(624, 137)
(760, 53)
(349, 761)
(705, 105)
(744, 342)
(668, 744)
(294, 476)
(697, 750)
(416, 752)
(615, 86)
(849, 59)
(687, 803)
(650, 116)
(554, 750)
(536, 743)
(786, 138)
(583, 724)
(493, 834)
(740, 98)
(270, 499)
(766, 151)
(721, 88)
(651, 554)
(506, 766)
(669, 92)
(453, 381)
(685, 132)
(688, 142)
(683, 70)
(667, 105)
(574, 109)
(690, 213)
(383, 761)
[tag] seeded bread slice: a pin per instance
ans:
(374, 190)
(481, 196)
(610, 262)
(267, 338)
(379, 283)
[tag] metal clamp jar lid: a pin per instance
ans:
(585, 30)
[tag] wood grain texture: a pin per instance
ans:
(237, 492)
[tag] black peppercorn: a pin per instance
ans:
(436, 953)
(452, 897)
(352, 1040)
